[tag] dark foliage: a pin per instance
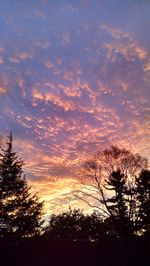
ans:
(116, 183)
(117, 206)
(20, 212)
(143, 204)
(74, 225)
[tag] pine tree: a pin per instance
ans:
(20, 212)
(143, 197)
(117, 203)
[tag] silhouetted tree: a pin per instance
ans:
(20, 212)
(117, 204)
(74, 225)
(109, 181)
(143, 201)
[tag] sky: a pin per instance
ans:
(74, 79)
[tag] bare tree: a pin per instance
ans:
(108, 184)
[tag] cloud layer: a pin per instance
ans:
(75, 77)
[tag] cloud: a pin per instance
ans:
(1, 60)
(58, 195)
(55, 99)
(74, 79)
(122, 43)
(116, 33)
(129, 50)
(3, 90)
(147, 66)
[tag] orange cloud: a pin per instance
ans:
(115, 32)
(58, 195)
(130, 50)
(123, 43)
(147, 66)
(3, 90)
(19, 56)
(57, 100)
(37, 95)
(51, 97)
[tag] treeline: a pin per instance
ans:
(115, 183)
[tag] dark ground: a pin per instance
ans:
(45, 252)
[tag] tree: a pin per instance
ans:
(116, 203)
(143, 201)
(74, 225)
(109, 182)
(20, 212)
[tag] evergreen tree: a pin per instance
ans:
(20, 212)
(143, 196)
(117, 202)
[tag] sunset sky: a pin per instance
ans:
(74, 78)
